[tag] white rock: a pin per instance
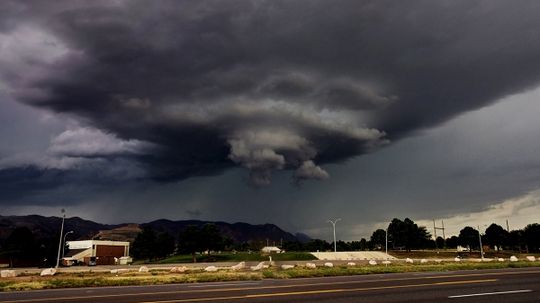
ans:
(211, 268)
(351, 264)
(114, 271)
(122, 270)
(239, 266)
(179, 269)
(48, 272)
(438, 260)
(372, 262)
(386, 262)
(329, 264)
(531, 258)
(457, 259)
(143, 269)
(311, 265)
(266, 266)
(409, 260)
(500, 260)
(513, 259)
(258, 267)
(287, 266)
(8, 273)
(423, 261)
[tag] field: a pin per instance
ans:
(238, 257)
(161, 276)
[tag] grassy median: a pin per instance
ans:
(89, 279)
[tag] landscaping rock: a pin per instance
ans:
(457, 259)
(409, 260)
(8, 273)
(211, 269)
(423, 261)
(287, 266)
(372, 262)
(179, 269)
(48, 272)
(311, 265)
(500, 260)
(351, 264)
(386, 262)
(329, 264)
(239, 266)
(258, 267)
(143, 269)
(513, 259)
(531, 258)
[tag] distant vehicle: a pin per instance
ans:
(92, 261)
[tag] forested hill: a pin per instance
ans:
(46, 227)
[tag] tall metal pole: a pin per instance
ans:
(480, 241)
(386, 243)
(60, 240)
(334, 226)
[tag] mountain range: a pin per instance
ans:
(45, 227)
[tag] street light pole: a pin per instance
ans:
(334, 226)
(60, 240)
(64, 246)
(480, 241)
(386, 242)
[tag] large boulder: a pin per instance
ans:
(211, 268)
(287, 266)
(143, 269)
(8, 273)
(178, 269)
(48, 272)
(423, 261)
(258, 266)
(239, 266)
(457, 259)
(351, 264)
(500, 260)
(372, 262)
(311, 265)
(513, 259)
(409, 260)
(329, 264)
(531, 258)
(386, 262)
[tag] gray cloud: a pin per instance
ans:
(267, 85)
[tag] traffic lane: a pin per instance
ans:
(171, 292)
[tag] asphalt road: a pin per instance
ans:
(508, 285)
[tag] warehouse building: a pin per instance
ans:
(97, 252)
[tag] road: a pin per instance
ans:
(507, 285)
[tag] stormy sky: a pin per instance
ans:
(289, 112)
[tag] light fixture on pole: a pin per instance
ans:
(334, 226)
(64, 246)
(60, 240)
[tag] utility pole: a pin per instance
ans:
(507, 226)
(435, 232)
(334, 226)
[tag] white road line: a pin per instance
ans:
(491, 293)
(222, 284)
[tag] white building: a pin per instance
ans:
(97, 252)
(271, 249)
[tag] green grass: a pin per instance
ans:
(238, 257)
(68, 280)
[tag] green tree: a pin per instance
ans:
(496, 236)
(165, 245)
(144, 246)
(190, 242)
(452, 242)
(408, 234)
(211, 238)
(468, 237)
(531, 234)
(378, 238)
(20, 245)
(440, 242)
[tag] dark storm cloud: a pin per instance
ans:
(268, 85)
